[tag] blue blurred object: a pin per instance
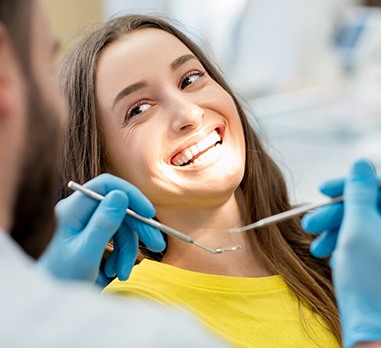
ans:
(356, 252)
(357, 39)
(356, 261)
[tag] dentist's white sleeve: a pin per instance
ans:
(36, 311)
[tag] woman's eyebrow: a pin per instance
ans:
(128, 90)
(181, 60)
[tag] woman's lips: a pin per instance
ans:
(188, 155)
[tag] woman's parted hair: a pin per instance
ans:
(285, 246)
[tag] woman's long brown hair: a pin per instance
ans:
(285, 246)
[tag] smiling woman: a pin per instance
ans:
(174, 96)
(147, 105)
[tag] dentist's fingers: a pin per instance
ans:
(361, 191)
(325, 244)
(123, 257)
(150, 236)
(333, 188)
(79, 207)
(325, 218)
(105, 221)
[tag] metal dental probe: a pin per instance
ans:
(287, 214)
(166, 229)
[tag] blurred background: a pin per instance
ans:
(310, 71)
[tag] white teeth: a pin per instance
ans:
(196, 161)
(203, 144)
(188, 154)
(205, 155)
(194, 150)
(209, 141)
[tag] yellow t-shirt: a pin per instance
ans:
(247, 312)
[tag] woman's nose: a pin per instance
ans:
(186, 114)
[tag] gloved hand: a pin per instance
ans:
(86, 225)
(325, 220)
(356, 259)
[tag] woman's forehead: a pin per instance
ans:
(139, 52)
(146, 41)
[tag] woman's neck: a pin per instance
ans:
(208, 226)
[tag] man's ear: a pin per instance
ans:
(9, 70)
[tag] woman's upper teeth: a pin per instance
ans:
(193, 151)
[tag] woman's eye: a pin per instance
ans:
(190, 79)
(137, 109)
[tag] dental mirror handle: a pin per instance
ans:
(288, 214)
(166, 229)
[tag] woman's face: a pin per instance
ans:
(168, 127)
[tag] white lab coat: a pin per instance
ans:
(37, 311)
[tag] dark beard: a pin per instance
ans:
(33, 217)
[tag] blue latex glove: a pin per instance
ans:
(356, 259)
(86, 225)
(325, 220)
